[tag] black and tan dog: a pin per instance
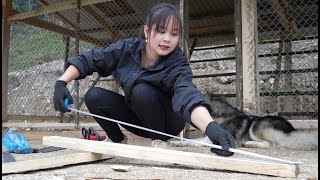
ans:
(256, 131)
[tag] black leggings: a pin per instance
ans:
(150, 108)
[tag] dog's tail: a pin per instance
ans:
(298, 139)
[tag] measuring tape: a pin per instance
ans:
(183, 139)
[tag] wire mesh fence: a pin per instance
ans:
(47, 41)
(286, 54)
(288, 58)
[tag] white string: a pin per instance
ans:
(185, 139)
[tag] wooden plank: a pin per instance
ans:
(66, 5)
(47, 118)
(52, 162)
(173, 156)
(41, 125)
(38, 134)
(65, 126)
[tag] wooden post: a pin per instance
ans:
(248, 18)
(6, 7)
(184, 12)
(76, 82)
(238, 54)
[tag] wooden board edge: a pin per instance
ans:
(51, 162)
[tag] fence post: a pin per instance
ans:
(76, 83)
(248, 18)
(238, 54)
(6, 7)
(184, 12)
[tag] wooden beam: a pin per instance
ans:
(215, 17)
(212, 29)
(173, 156)
(67, 5)
(52, 162)
(102, 21)
(6, 7)
(52, 27)
(62, 18)
(61, 30)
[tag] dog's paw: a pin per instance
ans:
(250, 144)
(178, 143)
(256, 144)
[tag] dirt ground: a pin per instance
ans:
(143, 169)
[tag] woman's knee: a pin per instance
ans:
(177, 128)
(92, 95)
(144, 94)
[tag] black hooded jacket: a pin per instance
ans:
(171, 74)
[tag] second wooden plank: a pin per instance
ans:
(174, 156)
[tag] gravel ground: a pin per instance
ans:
(142, 169)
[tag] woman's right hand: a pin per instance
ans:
(220, 136)
(60, 93)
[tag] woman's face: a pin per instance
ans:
(162, 42)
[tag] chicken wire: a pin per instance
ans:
(32, 76)
(286, 53)
(288, 57)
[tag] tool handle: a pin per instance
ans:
(66, 102)
(85, 133)
(94, 132)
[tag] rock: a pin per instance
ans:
(312, 178)
(121, 168)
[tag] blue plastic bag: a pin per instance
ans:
(16, 143)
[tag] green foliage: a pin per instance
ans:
(30, 46)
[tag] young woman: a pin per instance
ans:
(157, 82)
